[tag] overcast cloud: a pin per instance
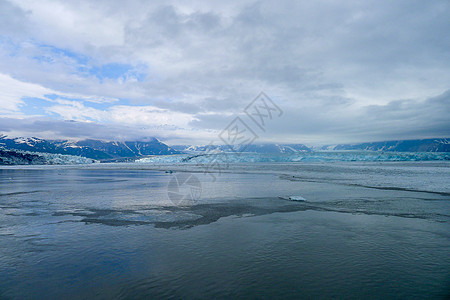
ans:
(342, 71)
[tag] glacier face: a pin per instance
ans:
(318, 156)
(17, 157)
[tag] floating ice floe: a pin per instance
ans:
(293, 198)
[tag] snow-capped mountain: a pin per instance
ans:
(128, 149)
(94, 149)
(425, 145)
(254, 148)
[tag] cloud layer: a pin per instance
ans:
(341, 72)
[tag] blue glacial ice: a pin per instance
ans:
(319, 156)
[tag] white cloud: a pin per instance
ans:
(148, 116)
(161, 122)
(12, 92)
(75, 110)
(121, 114)
(66, 24)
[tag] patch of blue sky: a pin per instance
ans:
(52, 96)
(123, 101)
(48, 54)
(35, 106)
(9, 46)
(111, 70)
(43, 53)
(118, 70)
(44, 59)
(61, 52)
(106, 105)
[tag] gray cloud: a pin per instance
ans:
(338, 70)
(61, 129)
(13, 20)
(399, 119)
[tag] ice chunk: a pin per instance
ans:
(293, 198)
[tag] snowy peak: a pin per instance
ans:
(95, 149)
(255, 148)
(424, 145)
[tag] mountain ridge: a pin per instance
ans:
(24, 150)
(416, 145)
(255, 148)
(89, 148)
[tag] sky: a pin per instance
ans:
(181, 71)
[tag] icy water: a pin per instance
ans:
(366, 230)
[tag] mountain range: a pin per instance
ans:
(94, 149)
(255, 148)
(424, 145)
(40, 151)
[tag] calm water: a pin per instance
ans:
(366, 230)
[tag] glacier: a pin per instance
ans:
(317, 156)
(18, 157)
